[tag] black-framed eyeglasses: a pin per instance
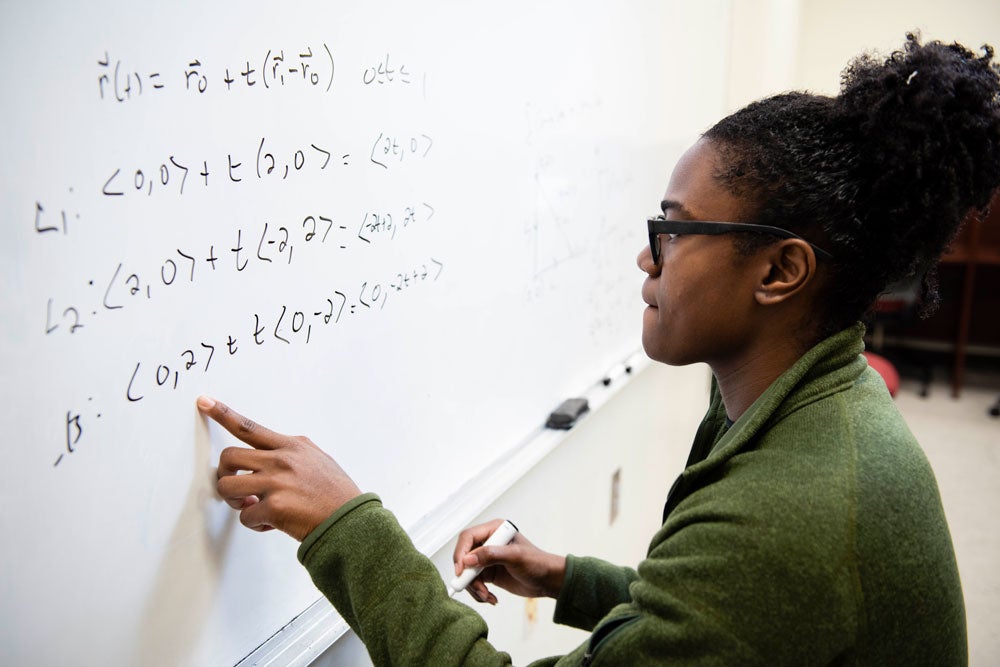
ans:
(660, 225)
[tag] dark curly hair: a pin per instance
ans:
(882, 175)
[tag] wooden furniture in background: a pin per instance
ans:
(969, 315)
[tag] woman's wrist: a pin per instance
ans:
(556, 577)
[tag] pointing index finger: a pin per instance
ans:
(244, 428)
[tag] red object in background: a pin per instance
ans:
(884, 368)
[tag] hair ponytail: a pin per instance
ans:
(928, 138)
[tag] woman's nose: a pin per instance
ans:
(645, 262)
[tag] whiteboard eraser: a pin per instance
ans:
(567, 413)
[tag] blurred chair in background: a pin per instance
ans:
(884, 368)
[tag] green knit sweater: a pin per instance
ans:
(810, 532)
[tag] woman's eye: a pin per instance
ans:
(673, 236)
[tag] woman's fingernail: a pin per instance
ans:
(471, 560)
(205, 403)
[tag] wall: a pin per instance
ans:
(763, 38)
(781, 45)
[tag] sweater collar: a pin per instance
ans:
(830, 367)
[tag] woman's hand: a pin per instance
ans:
(519, 567)
(284, 482)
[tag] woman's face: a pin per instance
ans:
(700, 296)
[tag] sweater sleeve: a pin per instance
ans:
(366, 565)
(592, 587)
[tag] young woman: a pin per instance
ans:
(807, 527)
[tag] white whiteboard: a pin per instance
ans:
(416, 236)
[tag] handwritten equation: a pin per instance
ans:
(176, 175)
(275, 243)
(118, 80)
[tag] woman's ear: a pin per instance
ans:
(786, 268)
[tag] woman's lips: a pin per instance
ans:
(648, 295)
